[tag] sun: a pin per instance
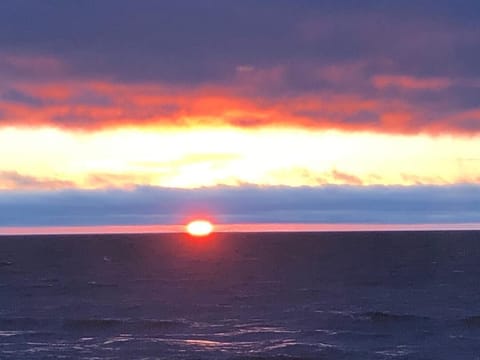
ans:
(199, 228)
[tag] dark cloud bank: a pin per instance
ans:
(330, 204)
(418, 60)
(194, 41)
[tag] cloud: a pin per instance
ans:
(14, 180)
(191, 42)
(14, 66)
(299, 175)
(15, 96)
(245, 204)
(346, 178)
(105, 180)
(381, 67)
(91, 106)
(410, 82)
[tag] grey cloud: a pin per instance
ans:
(16, 96)
(328, 204)
(191, 41)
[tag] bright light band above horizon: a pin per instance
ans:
(49, 158)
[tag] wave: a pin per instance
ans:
(255, 331)
(473, 320)
(41, 286)
(108, 323)
(274, 357)
(84, 324)
(161, 324)
(101, 285)
(11, 333)
(22, 323)
(302, 351)
(383, 317)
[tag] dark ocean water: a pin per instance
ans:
(410, 295)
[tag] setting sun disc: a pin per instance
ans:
(199, 228)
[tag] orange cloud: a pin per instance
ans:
(14, 180)
(33, 64)
(410, 82)
(90, 106)
(105, 180)
(345, 178)
(96, 105)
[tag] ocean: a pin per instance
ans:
(364, 295)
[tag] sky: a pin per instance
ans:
(136, 113)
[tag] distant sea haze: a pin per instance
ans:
(245, 295)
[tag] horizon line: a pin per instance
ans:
(226, 228)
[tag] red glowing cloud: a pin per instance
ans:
(90, 106)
